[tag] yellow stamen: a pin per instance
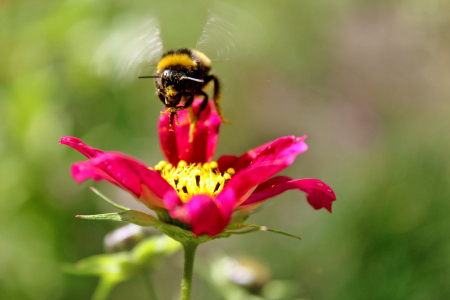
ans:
(160, 166)
(168, 167)
(227, 177)
(194, 179)
(213, 165)
(182, 164)
(231, 171)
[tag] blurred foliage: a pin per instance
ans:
(244, 278)
(367, 80)
(114, 268)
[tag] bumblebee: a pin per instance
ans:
(180, 76)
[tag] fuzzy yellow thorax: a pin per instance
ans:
(194, 179)
(176, 59)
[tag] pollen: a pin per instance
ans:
(194, 179)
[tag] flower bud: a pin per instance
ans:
(125, 238)
(247, 273)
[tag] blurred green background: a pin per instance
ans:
(368, 81)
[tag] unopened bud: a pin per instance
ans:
(125, 238)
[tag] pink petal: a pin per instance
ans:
(275, 157)
(226, 161)
(126, 172)
(175, 144)
(281, 151)
(172, 200)
(78, 144)
(133, 176)
(318, 194)
(206, 215)
(82, 171)
(241, 162)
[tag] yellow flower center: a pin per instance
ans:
(194, 179)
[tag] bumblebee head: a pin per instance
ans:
(172, 84)
(172, 94)
(171, 77)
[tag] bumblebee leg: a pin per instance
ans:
(191, 114)
(161, 98)
(202, 106)
(176, 118)
(171, 116)
(189, 102)
(171, 121)
(217, 97)
(191, 124)
(176, 108)
(193, 121)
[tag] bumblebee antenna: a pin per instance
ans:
(191, 78)
(149, 76)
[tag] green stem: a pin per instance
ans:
(186, 282)
(103, 289)
(149, 286)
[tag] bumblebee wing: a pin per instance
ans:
(230, 33)
(130, 48)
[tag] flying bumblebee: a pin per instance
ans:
(181, 75)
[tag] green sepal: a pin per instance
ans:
(186, 236)
(131, 216)
(109, 201)
(142, 219)
(254, 228)
(238, 218)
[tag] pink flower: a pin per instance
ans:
(200, 193)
